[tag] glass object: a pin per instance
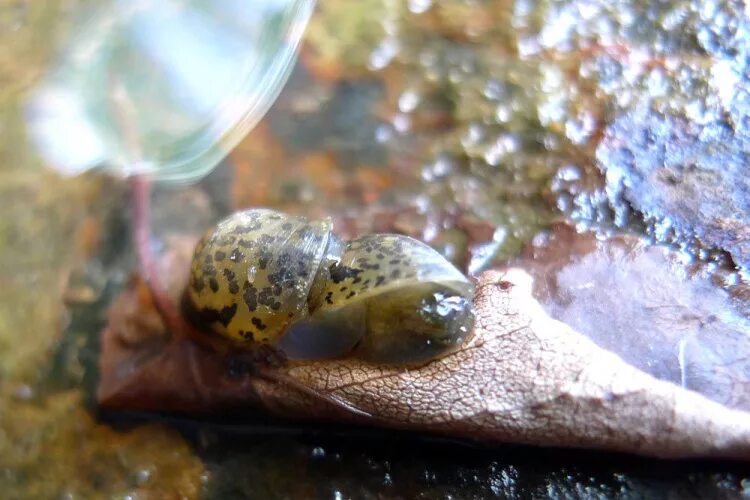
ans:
(164, 88)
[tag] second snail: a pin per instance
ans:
(261, 277)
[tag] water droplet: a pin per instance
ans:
(579, 130)
(383, 54)
(493, 155)
(441, 167)
(401, 123)
(569, 173)
(408, 101)
(732, 279)
(482, 256)
(420, 6)
(473, 136)
(383, 133)
(23, 392)
(251, 272)
(745, 483)
(502, 113)
(142, 476)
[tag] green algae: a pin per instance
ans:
(52, 447)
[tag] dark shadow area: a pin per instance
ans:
(259, 458)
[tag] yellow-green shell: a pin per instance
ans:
(265, 277)
(251, 275)
(413, 303)
(378, 263)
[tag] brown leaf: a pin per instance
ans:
(527, 378)
(523, 378)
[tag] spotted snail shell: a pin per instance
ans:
(264, 277)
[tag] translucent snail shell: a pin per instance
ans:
(263, 277)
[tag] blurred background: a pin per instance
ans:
(485, 128)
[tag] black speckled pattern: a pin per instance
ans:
(253, 272)
(376, 263)
(259, 271)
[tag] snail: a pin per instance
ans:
(261, 277)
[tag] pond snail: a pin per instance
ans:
(263, 277)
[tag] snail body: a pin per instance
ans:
(263, 277)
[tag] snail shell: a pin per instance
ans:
(263, 277)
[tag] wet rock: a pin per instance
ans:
(689, 175)
(647, 304)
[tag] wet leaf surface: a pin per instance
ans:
(522, 378)
(651, 305)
